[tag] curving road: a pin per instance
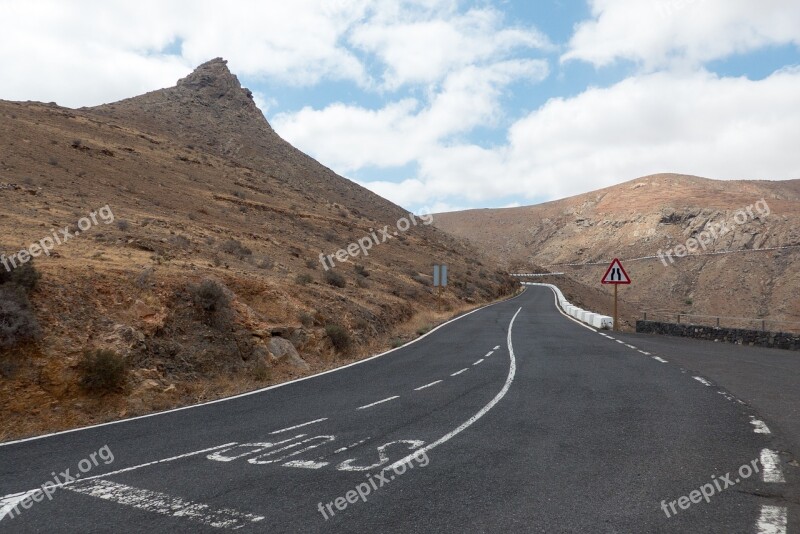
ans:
(513, 418)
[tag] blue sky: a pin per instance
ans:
(448, 104)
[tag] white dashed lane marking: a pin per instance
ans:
(378, 402)
(772, 520)
(497, 347)
(771, 472)
(479, 361)
(465, 369)
(300, 425)
(489, 354)
(703, 381)
(662, 360)
(427, 385)
(760, 426)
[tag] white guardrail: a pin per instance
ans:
(604, 322)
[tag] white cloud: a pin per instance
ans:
(666, 33)
(726, 128)
(423, 46)
(100, 51)
(352, 137)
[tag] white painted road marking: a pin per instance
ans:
(662, 360)
(479, 361)
(427, 385)
(620, 341)
(489, 353)
(770, 461)
(10, 502)
(161, 503)
(512, 370)
(300, 425)
(497, 347)
(644, 352)
(772, 520)
(703, 381)
(630, 346)
(379, 402)
(461, 371)
(760, 426)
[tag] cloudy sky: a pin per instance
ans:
(446, 104)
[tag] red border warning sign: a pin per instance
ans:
(616, 274)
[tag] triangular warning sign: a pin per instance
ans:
(616, 274)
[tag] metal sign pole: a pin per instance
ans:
(616, 328)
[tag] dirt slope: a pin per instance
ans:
(200, 188)
(652, 215)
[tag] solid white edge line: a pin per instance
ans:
(427, 385)
(257, 391)
(378, 402)
(461, 371)
(298, 426)
(771, 463)
(555, 300)
(512, 369)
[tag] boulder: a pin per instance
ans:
(284, 351)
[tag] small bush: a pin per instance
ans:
(180, 242)
(210, 296)
(306, 319)
(361, 271)
(266, 263)
(339, 337)
(335, 279)
(102, 371)
(397, 342)
(145, 279)
(262, 371)
(123, 225)
(422, 330)
(17, 321)
(25, 276)
(235, 248)
(312, 264)
(303, 279)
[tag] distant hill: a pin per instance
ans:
(201, 188)
(656, 213)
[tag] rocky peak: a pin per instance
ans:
(214, 79)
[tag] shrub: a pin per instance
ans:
(266, 263)
(311, 264)
(145, 279)
(397, 342)
(339, 337)
(210, 296)
(422, 330)
(306, 319)
(17, 321)
(102, 371)
(303, 279)
(335, 279)
(235, 248)
(361, 271)
(123, 225)
(261, 371)
(25, 276)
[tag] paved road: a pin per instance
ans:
(511, 419)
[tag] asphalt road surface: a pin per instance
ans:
(513, 418)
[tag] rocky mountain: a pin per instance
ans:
(184, 240)
(688, 243)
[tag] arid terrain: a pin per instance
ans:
(194, 257)
(638, 220)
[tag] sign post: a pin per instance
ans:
(617, 276)
(439, 282)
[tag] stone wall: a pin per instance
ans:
(757, 338)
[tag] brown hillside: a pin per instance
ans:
(638, 219)
(201, 188)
